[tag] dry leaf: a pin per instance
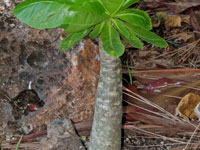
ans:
(181, 5)
(170, 21)
(164, 15)
(157, 85)
(173, 21)
(186, 19)
(185, 37)
(158, 18)
(187, 105)
(176, 6)
(156, 22)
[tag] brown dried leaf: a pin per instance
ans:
(170, 21)
(164, 15)
(186, 19)
(185, 36)
(181, 5)
(176, 7)
(173, 21)
(187, 105)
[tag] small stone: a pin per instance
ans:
(27, 129)
(129, 136)
(12, 25)
(169, 147)
(61, 135)
(5, 108)
(127, 140)
(2, 7)
(162, 142)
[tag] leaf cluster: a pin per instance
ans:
(109, 19)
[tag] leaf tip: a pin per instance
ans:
(164, 44)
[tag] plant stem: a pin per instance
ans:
(106, 129)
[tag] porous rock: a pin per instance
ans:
(65, 80)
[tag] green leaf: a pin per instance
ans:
(91, 14)
(133, 41)
(136, 17)
(75, 8)
(91, 5)
(111, 41)
(44, 14)
(73, 38)
(128, 3)
(94, 7)
(97, 30)
(127, 35)
(112, 6)
(148, 36)
(120, 27)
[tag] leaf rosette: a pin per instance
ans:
(110, 20)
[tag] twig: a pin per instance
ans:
(30, 136)
(125, 71)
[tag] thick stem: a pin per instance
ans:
(106, 129)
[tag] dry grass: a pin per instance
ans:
(163, 125)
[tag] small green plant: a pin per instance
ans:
(108, 18)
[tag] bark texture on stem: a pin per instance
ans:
(106, 129)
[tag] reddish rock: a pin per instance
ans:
(65, 81)
(74, 95)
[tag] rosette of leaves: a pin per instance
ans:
(108, 19)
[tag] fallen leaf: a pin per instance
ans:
(181, 5)
(186, 19)
(185, 36)
(170, 21)
(158, 18)
(176, 7)
(173, 21)
(161, 83)
(187, 105)
(164, 15)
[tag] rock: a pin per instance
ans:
(71, 89)
(26, 128)
(65, 80)
(5, 108)
(61, 135)
(5, 114)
